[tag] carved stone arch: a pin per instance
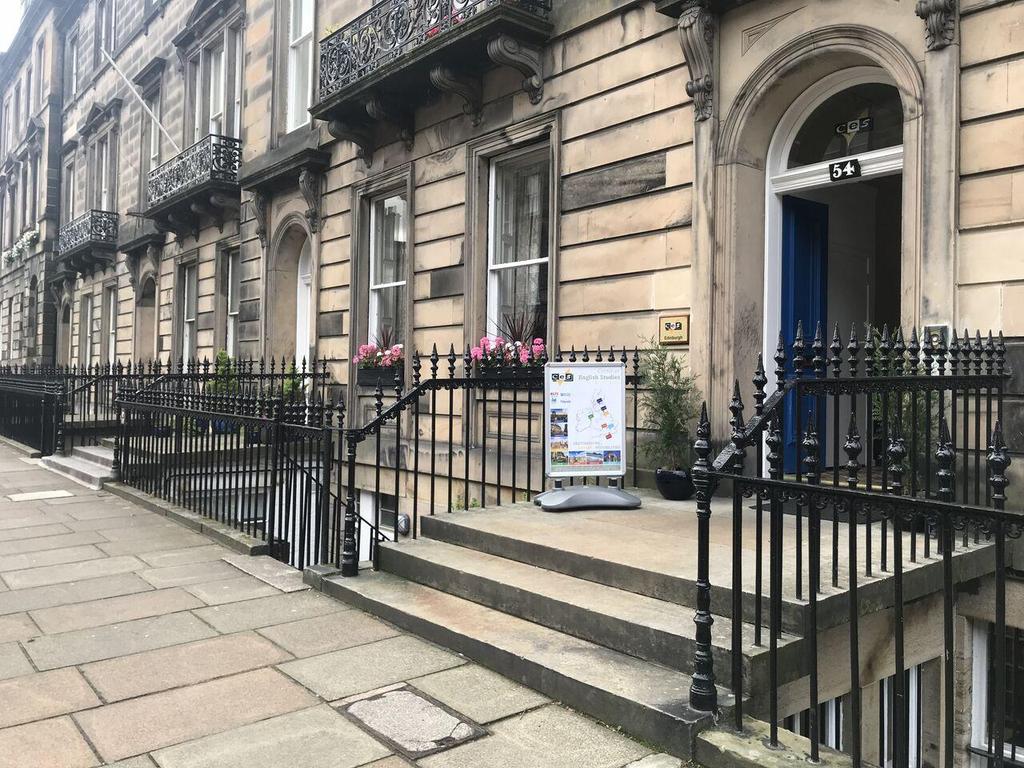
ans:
(278, 312)
(143, 267)
(728, 277)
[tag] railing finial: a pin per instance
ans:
(852, 447)
(998, 462)
(853, 349)
(945, 457)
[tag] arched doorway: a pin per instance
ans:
(833, 201)
(145, 321)
(290, 302)
(64, 335)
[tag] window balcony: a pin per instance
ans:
(198, 182)
(88, 242)
(402, 47)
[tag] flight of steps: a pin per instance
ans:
(91, 465)
(589, 634)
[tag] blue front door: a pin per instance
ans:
(804, 293)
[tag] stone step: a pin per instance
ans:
(530, 545)
(641, 626)
(86, 472)
(646, 700)
(97, 454)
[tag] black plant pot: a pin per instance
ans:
(369, 377)
(674, 484)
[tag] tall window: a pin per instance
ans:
(71, 67)
(8, 126)
(29, 92)
(85, 332)
(300, 61)
(152, 140)
(68, 203)
(16, 104)
(232, 282)
(517, 272)
(215, 90)
(388, 238)
(40, 69)
(102, 164)
(215, 86)
(33, 189)
(110, 324)
(32, 317)
(106, 27)
(189, 288)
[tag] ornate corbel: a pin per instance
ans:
(506, 51)
(386, 110)
(939, 21)
(697, 38)
(309, 184)
(466, 88)
(358, 135)
(260, 206)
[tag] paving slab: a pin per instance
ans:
(266, 568)
(191, 573)
(179, 665)
(231, 590)
(140, 519)
(57, 574)
(135, 726)
(15, 534)
(44, 694)
(25, 521)
(39, 495)
(480, 694)
(95, 644)
(366, 667)
(332, 632)
(144, 527)
(55, 743)
(13, 661)
(102, 509)
(59, 541)
(185, 556)
(17, 626)
(142, 761)
(163, 539)
(412, 722)
(266, 611)
(74, 592)
(112, 610)
(389, 762)
(549, 737)
(20, 562)
(660, 760)
(313, 738)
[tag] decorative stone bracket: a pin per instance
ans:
(260, 210)
(387, 110)
(506, 51)
(360, 135)
(467, 88)
(309, 184)
(697, 38)
(940, 21)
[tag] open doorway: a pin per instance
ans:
(834, 228)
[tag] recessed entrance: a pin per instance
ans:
(834, 225)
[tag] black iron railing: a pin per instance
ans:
(393, 28)
(211, 159)
(90, 230)
(886, 470)
(30, 413)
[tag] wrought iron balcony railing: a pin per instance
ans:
(214, 159)
(92, 230)
(394, 28)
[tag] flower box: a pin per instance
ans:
(370, 377)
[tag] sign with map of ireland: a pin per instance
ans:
(585, 419)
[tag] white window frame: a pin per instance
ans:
(189, 314)
(110, 300)
(155, 104)
(493, 322)
(214, 89)
(300, 63)
(41, 68)
(979, 696)
(373, 295)
(233, 259)
(72, 54)
(69, 191)
(237, 54)
(102, 168)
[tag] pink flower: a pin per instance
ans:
(476, 353)
(484, 343)
(524, 356)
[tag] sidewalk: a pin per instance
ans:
(128, 640)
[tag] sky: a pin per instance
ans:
(10, 14)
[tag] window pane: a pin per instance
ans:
(522, 300)
(521, 209)
(233, 281)
(859, 119)
(389, 240)
(388, 314)
(190, 292)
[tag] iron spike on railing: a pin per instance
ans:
(760, 381)
(852, 447)
(945, 459)
(954, 355)
(452, 357)
(378, 398)
(896, 452)
(978, 352)
(433, 362)
(998, 463)
(914, 354)
(884, 351)
(836, 350)
(572, 353)
(811, 449)
(738, 425)
(598, 357)
(703, 693)
(416, 373)
(586, 354)
(798, 349)
(898, 361)
(990, 354)
(853, 350)
(818, 352)
(870, 370)
(927, 353)
(774, 442)
(780, 362)
(1000, 354)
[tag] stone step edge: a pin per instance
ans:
(725, 747)
(92, 477)
(662, 729)
(234, 540)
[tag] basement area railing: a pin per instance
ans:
(30, 413)
(863, 494)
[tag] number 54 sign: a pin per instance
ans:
(846, 169)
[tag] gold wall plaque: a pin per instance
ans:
(674, 329)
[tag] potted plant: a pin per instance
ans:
(224, 383)
(379, 361)
(670, 402)
(518, 349)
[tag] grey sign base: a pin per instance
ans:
(578, 497)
